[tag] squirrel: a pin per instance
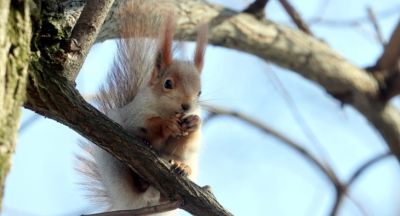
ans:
(153, 96)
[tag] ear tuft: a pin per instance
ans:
(166, 39)
(163, 56)
(201, 44)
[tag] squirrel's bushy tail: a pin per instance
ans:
(108, 181)
(141, 25)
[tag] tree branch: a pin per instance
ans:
(390, 56)
(328, 173)
(286, 47)
(84, 34)
(375, 24)
(295, 16)
(359, 171)
(65, 105)
(52, 94)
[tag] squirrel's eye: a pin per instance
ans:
(168, 84)
(198, 94)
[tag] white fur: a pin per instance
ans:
(115, 176)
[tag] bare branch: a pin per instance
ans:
(295, 16)
(359, 171)
(367, 165)
(267, 40)
(301, 121)
(307, 56)
(64, 104)
(391, 54)
(84, 34)
(285, 140)
(388, 66)
(375, 24)
(28, 123)
(51, 94)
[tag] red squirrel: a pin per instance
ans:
(153, 96)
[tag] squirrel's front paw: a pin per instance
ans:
(190, 123)
(173, 127)
(180, 168)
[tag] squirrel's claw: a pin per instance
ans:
(180, 168)
(190, 124)
(173, 126)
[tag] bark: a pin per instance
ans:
(289, 48)
(51, 94)
(15, 34)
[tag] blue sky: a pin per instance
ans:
(251, 173)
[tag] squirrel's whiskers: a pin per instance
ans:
(153, 96)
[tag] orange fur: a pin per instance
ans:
(136, 97)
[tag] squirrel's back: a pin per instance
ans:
(150, 95)
(140, 24)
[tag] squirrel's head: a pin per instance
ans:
(178, 88)
(177, 83)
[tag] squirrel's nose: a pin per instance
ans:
(185, 107)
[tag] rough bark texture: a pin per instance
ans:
(15, 34)
(65, 105)
(288, 48)
(52, 95)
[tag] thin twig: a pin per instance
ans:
(28, 122)
(321, 9)
(386, 13)
(375, 24)
(343, 191)
(391, 54)
(388, 65)
(84, 34)
(290, 143)
(358, 205)
(301, 121)
(295, 16)
(142, 211)
(257, 8)
(367, 165)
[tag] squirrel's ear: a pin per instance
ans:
(164, 56)
(201, 44)
(164, 49)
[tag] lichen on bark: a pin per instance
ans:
(15, 36)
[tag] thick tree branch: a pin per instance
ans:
(64, 104)
(390, 56)
(52, 94)
(341, 188)
(84, 34)
(284, 46)
(388, 66)
(301, 53)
